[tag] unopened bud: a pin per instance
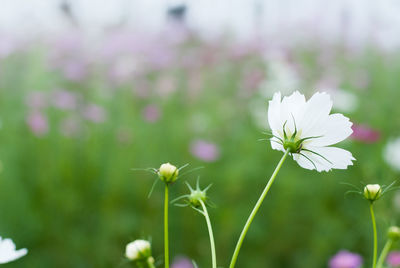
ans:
(394, 233)
(168, 173)
(196, 197)
(138, 250)
(372, 192)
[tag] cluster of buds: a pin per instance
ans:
(139, 252)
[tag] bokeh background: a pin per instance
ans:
(91, 89)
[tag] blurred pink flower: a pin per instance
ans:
(204, 150)
(151, 113)
(64, 99)
(393, 259)
(68, 43)
(95, 113)
(7, 45)
(74, 70)
(365, 134)
(166, 85)
(252, 79)
(141, 88)
(345, 259)
(182, 262)
(36, 100)
(124, 135)
(38, 123)
(69, 127)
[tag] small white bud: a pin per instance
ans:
(138, 250)
(168, 173)
(394, 233)
(372, 192)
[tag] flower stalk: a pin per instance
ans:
(375, 249)
(166, 239)
(255, 210)
(384, 253)
(210, 232)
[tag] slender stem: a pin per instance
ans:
(375, 253)
(151, 263)
(255, 209)
(384, 253)
(166, 243)
(210, 231)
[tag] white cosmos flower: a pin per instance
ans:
(307, 130)
(8, 252)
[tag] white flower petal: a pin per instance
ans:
(315, 115)
(289, 111)
(274, 110)
(333, 157)
(275, 144)
(335, 129)
(292, 110)
(8, 252)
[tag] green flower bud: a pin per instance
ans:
(372, 192)
(196, 196)
(138, 250)
(394, 233)
(168, 173)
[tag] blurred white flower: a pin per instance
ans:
(343, 101)
(392, 153)
(280, 75)
(257, 109)
(8, 252)
(306, 130)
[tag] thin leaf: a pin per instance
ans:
(152, 187)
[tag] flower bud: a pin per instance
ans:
(168, 173)
(372, 192)
(394, 233)
(196, 196)
(138, 250)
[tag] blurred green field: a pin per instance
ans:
(67, 189)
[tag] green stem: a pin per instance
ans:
(255, 210)
(166, 242)
(210, 231)
(151, 263)
(384, 253)
(375, 253)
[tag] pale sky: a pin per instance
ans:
(364, 17)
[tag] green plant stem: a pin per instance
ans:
(375, 253)
(210, 231)
(166, 242)
(255, 210)
(384, 253)
(151, 264)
